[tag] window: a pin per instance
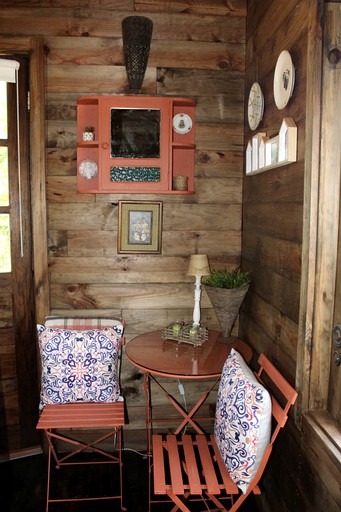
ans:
(5, 244)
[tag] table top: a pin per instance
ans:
(168, 358)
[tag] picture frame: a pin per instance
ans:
(139, 227)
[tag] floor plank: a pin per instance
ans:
(23, 483)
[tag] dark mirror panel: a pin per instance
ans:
(135, 133)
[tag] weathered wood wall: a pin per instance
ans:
(197, 50)
(271, 248)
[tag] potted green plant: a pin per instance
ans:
(226, 291)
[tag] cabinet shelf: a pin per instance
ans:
(180, 192)
(183, 145)
(124, 165)
(88, 144)
(272, 166)
(264, 153)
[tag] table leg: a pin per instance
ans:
(185, 414)
(146, 384)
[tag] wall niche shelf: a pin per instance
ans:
(142, 143)
(264, 153)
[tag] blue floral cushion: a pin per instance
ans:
(79, 366)
(243, 420)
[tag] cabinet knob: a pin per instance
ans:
(105, 145)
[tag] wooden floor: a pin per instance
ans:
(23, 487)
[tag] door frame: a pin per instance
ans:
(28, 404)
(34, 46)
(320, 223)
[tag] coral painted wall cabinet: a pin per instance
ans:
(135, 144)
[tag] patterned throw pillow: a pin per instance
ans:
(243, 420)
(78, 366)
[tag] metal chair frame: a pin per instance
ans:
(189, 467)
(108, 417)
(56, 418)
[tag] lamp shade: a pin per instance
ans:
(198, 265)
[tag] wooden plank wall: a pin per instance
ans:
(9, 406)
(271, 249)
(197, 50)
(273, 200)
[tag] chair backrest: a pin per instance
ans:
(81, 359)
(269, 375)
(85, 323)
(245, 407)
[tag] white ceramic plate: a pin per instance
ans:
(255, 109)
(182, 123)
(88, 169)
(284, 80)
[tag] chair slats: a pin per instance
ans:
(191, 466)
(159, 465)
(204, 472)
(207, 465)
(229, 485)
(82, 415)
(175, 465)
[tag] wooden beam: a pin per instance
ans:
(329, 204)
(311, 191)
(38, 193)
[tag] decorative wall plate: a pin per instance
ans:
(284, 80)
(255, 107)
(88, 169)
(182, 123)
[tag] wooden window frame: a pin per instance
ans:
(319, 249)
(34, 47)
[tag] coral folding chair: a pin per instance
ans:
(80, 401)
(229, 464)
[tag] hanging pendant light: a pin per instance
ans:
(137, 35)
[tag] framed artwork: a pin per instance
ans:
(139, 227)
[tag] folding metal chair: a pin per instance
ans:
(196, 467)
(72, 423)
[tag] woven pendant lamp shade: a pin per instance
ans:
(137, 35)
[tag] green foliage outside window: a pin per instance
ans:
(5, 252)
(4, 195)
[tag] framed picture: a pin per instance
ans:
(139, 227)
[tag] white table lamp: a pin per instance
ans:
(198, 267)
